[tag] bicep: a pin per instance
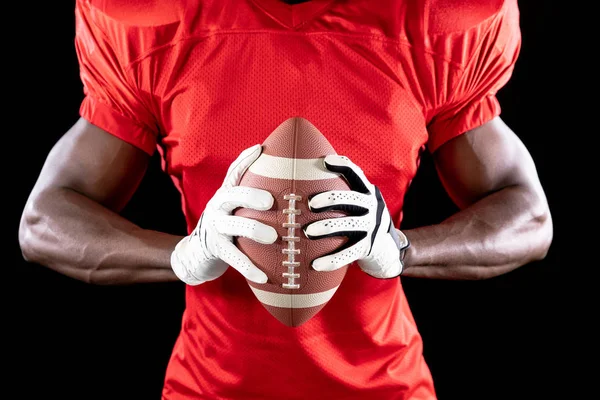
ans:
(94, 163)
(482, 161)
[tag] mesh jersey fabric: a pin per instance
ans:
(199, 81)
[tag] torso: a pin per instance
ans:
(220, 77)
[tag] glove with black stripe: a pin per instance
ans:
(373, 241)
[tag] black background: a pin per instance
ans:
(500, 338)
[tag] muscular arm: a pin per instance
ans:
(71, 224)
(504, 221)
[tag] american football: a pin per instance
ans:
(291, 168)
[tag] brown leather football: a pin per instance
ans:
(291, 168)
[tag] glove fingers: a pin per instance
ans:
(352, 173)
(230, 254)
(240, 165)
(337, 260)
(231, 225)
(352, 202)
(228, 199)
(342, 226)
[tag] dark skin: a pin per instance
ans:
(504, 221)
(71, 220)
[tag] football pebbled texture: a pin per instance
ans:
(291, 168)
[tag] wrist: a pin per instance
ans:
(403, 245)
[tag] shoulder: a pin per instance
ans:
(131, 28)
(458, 29)
(136, 13)
(443, 17)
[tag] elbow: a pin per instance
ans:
(27, 250)
(27, 236)
(536, 243)
(539, 233)
(36, 240)
(42, 241)
(545, 235)
(38, 246)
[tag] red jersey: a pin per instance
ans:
(384, 80)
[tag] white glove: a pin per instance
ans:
(207, 252)
(373, 241)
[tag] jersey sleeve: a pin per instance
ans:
(469, 99)
(111, 98)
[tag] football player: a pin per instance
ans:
(203, 82)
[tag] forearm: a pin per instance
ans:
(493, 236)
(73, 235)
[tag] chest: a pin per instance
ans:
(223, 93)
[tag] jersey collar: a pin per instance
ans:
(292, 16)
